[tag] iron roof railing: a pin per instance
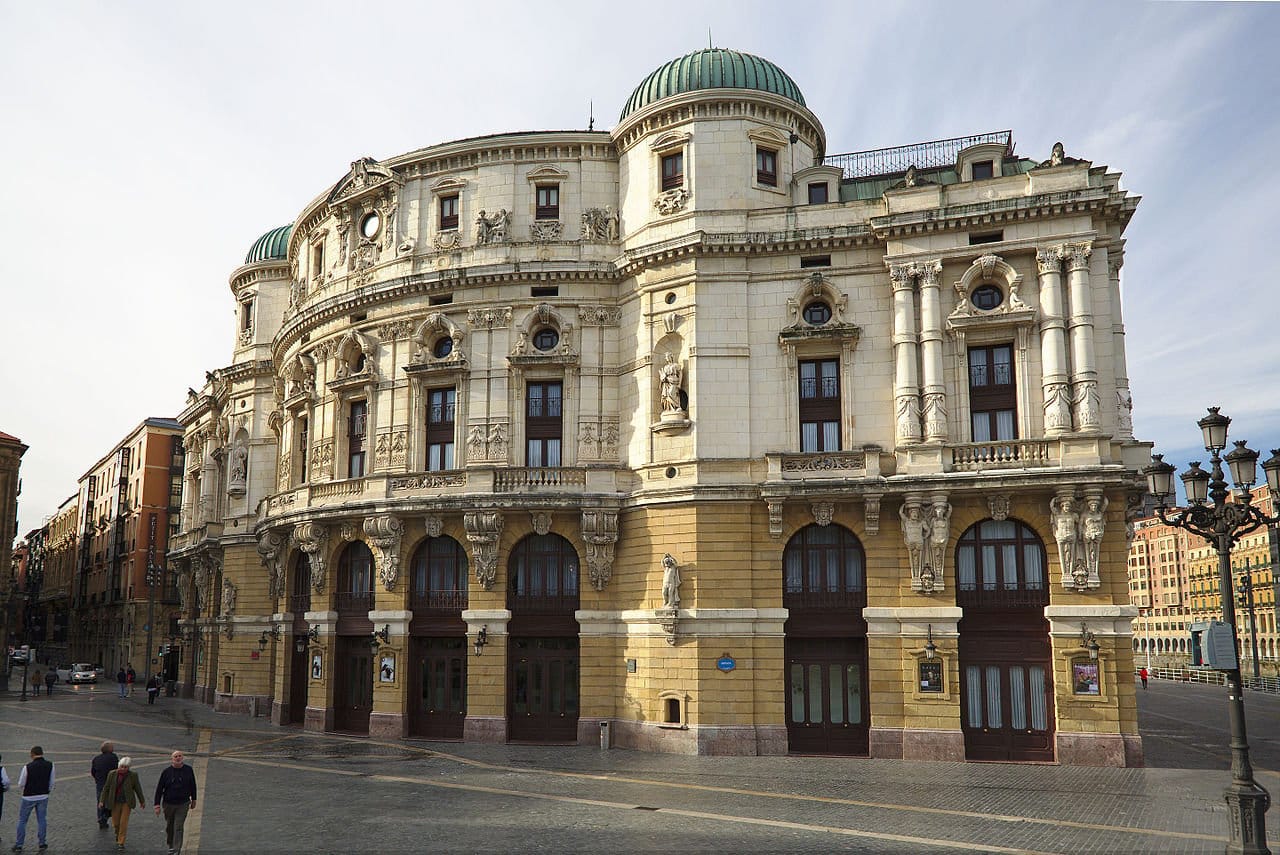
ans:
(925, 155)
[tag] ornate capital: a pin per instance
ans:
(484, 528)
(1078, 255)
(929, 271)
(1049, 260)
(902, 276)
(600, 534)
(385, 533)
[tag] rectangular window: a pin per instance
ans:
(317, 259)
(767, 166)
(448, 212)
(818, 193)
(304, 442)
(440, 424)
(548, 204)
(820, 405)
(543, 431)
(246, 315)
(992, 393)
(357, 427)
(983, 170)
(988, 237)
(673, 171)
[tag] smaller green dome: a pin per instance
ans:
(274, 244)
(712, 68)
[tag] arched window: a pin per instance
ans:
(544, 574)
(824, 567)
(355, 578)
(439, 572)
(1001, 564)
(300, 584)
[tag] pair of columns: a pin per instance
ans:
(1066, 319)
(916, 408)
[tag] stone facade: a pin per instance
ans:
(720, 356)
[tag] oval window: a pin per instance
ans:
(370, 224)
(442, 348)
(817, 313)
(546, 339)
(987, 297)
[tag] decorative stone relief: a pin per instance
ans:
(1093, 526)
(1057, 406)
(492, 229)
(600, 224)
(915, 531)
(825, 462)
(429, 481)
(313, 539)
(935, 414)
(600, 534)
(671, 201)
(484, 528)
(271, 548)
(384, 534)
(1064, 518)
(998, 506)
(541, 521)
(395, 330)
(200, 576)
(284, 472)
(907, 408)
(599, 316)
(489, 318)
(434, 524)
(391, 449)
(939, 535)
(347, 532)
(871, 512)
(1086, 403)
(228, 597)
(446, 240)
(545, 231)
(487, 441)
(823, 512)
(1124, 413)
(322, 461)
(775, 518)
(598, 440)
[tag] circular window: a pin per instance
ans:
(672, 472)
(987, 297)
(817, 313)
(442, 348)
(671, 297)
(546, 339)
(370, 224)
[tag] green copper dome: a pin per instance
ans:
(712, 68)
(274, 244)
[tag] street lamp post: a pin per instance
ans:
(1246, 598)
(153, 579)
(1222, 523)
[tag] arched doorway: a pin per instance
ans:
(438, 677)
(542, 658)
(824, 591)
(353, 689)
(1006, 673)
(299, 650)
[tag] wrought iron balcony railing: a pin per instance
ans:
(925, 155)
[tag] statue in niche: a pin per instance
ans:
(670, 582)
(670, 375)
(1065, 522)
(228, 597)
(1093, 525)
(237, 466)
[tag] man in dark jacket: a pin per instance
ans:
(35, 784)
(121, 678)
(175, 795)
(105, 762)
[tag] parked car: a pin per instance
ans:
(80, 672)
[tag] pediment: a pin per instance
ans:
(547, 172)
(366, 177)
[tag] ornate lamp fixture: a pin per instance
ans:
(482, 638)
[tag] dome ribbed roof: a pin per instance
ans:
(712, 68)
(274, 244)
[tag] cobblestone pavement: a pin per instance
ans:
(270, 789)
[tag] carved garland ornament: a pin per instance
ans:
(484, 528)
(600, 534)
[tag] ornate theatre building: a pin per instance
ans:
(687, 431)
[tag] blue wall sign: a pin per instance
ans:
(726, 663)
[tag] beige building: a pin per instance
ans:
(688, 430)
(11, 451)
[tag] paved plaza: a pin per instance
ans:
(270, 789)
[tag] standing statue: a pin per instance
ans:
(1093, 525)
(1065, 522)
(939, 534)
(670, 375)
(228, 597)
(914, 531)
(237, 467)
(670, 582)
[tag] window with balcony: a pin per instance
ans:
(440, 428)
(439, 573)
(767, 166)
(355, 578)
(820, 405)
(543, 574)
(543, 427)
(300, 587)
(357, 428)
(448, 212)
(993, 399)
(1001, 564)
(824, 567)
(548, 202)
(673, 171)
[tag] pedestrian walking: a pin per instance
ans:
(36, 680)
(4, 786)
(122, 679)
(1143, 674)
(35, 783)
(104, 764)
(153, 688)
(50, 677)
(121, 794)
(175, 795)
(130, 676)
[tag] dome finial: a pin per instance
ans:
(709, 44)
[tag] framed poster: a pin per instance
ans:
(387, 669)
(1084, 678)
(317, 666)
(931, 676)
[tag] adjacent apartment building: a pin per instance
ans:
(690, 430)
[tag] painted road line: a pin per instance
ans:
(191, 831)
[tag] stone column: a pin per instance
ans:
(935, 389)
(1084, 365)
(906, 383)
(1053, 344)
(1124, 400)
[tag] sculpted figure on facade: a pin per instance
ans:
(915, 530)
(1065, 521)
(939, 534)
(228, 596)
(1093, 527)
(1087, 405)
(271, 550)
(237, 468)
(669, 376)
(492, 229)
(670, 582)
(600, 224)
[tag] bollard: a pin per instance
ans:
(604, 735)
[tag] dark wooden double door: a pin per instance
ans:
(299, 677)
(827, 708)
(353, 692)
(1006, 688)
(439, 701)
(542, 689)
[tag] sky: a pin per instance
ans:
(150, 144)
